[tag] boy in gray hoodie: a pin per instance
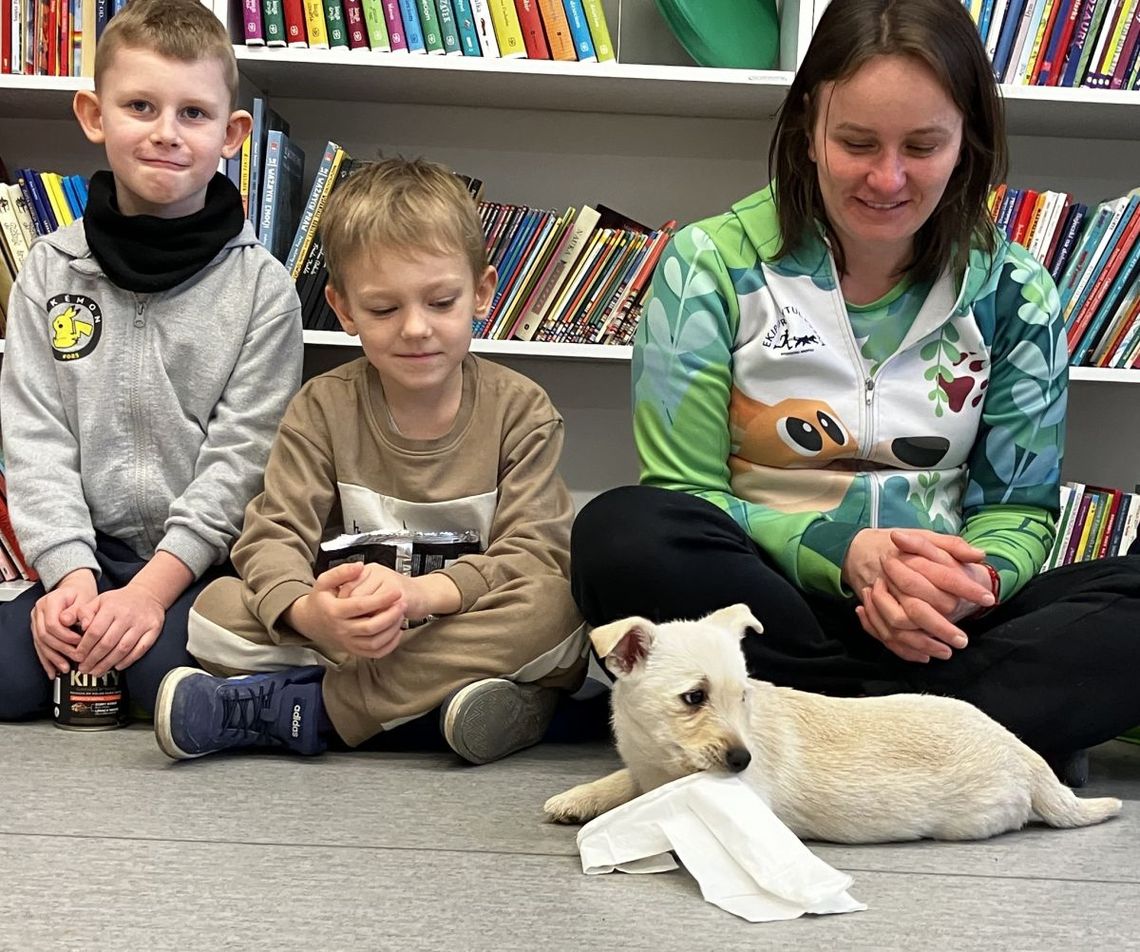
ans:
(152, 347)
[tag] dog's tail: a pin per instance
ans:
(1058, 806)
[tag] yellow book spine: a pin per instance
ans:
(243, 188)
(307, 241)
(59, 204)
(315, 25)
(1037, 40)
(508, 30)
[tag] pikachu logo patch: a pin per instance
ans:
(76, 323)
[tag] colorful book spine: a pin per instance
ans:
(376, 26)
(448, 28)
(273, 23)
(481, 13)
(315, 24)
(395, 24)
(354, 27)
(334, 24)
(251, 22)
(508, 32)
(296, 34)
(429, 21)
(465, 22)
(530, 22)
(599, 30)
(580, 31)
(413, 31)
(328, 160)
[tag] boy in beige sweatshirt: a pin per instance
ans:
(416, 435)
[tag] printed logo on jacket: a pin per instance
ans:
(792, 333)
(76, 323)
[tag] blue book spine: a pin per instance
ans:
(42, 202)
(1051, 62)
(514, 253)
(468, 37)
(1005, 213)
(273, 144)
(1084, 250)
(1008, 35)
(68, 188)
(1095, 265)
(580, 31)
(80, 184)
(413, 30)
(984, 19)
(1107, 306)
(256, 141)
(1076, 47)
(102, 15)
(323, 171)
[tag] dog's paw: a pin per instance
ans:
(574, 806)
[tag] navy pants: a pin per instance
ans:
(25, 691)
(1058, 664)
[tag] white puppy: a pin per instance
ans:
(849, 770)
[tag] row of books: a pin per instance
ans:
(1094, 523)
(1092, 43)
(35, 204)
(566, 30)
(13, 565)
(1093, 254)
(269, 172)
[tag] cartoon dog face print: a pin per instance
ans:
(792, 434)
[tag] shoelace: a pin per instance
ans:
(241, 710)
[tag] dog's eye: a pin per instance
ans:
(694, 698)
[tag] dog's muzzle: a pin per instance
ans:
(737, 758)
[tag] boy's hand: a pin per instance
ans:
(54, 615)
(365, 621)
(432, 594)
(119, 627)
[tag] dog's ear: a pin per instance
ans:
(737, 618)
(623, 644)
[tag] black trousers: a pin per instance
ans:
(25, 691)
(1058, 664)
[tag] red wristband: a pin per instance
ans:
(995, 581)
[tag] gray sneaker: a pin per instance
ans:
(488, 719)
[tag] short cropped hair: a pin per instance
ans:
(183, 30)
(399, 203)
(939, 34)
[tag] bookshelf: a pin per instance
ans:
(653, 136)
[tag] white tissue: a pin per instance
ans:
(744, 859)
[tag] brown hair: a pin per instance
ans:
(401, 203)
(179, 29)
(939, 34)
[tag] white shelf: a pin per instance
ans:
(1104, 375)
(364, 76)
(501, 348)
(9, 590)
(625, 88)
(39, 97)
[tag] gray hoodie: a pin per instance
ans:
(145, 416)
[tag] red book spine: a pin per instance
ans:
(534, 39)
(354, 23)
(295, 33)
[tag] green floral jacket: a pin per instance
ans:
(754, 388)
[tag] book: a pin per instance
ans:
(484, 28)
(296, 34)
(530, 22)
(281, 202)
(333, 155)
(264, 119)
(508, 31)
(465, 23)
(600, 30)
(560, 267)
(1052, 59)
(355, 28)
(429, 22)
(413, 29)
(557, 27)
(11, 231)
(334, 23)
(448, 28)
(579, 31)
(376, 26)
(251, 22)
(273, 23)
(315, 28)
(23, 217)
(395, 24)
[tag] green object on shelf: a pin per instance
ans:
(744, 34)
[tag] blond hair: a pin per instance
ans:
(398, 204)
(182, 30)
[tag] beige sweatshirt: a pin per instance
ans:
(338, 465)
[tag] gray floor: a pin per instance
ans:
(105, 844)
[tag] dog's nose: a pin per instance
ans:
(737, 759)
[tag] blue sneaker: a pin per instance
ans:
(489, 719)
(198, 714)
